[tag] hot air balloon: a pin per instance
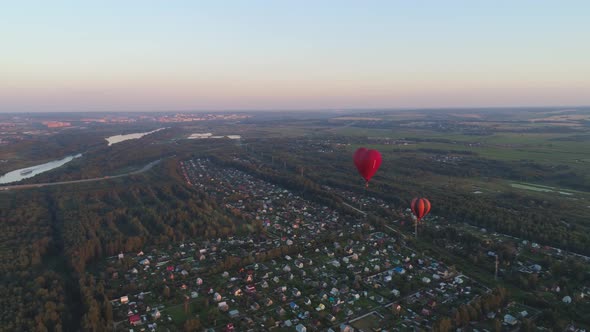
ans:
(420, 208)
(367, 162)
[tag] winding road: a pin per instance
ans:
(39, 185)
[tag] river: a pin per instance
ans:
(23, 173)
(121, 138)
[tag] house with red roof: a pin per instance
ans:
(135, 320)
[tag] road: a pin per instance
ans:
(357, 210)
(40, 185)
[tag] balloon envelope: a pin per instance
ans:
(367, 162)
(420, 207)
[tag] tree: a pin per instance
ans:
(108, 310)
(497, 325)
(443, 325)
(528, 325)
(213, 315)
(464, 314)
(192, 325)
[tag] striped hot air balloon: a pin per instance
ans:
(420, 208)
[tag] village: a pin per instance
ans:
(302, 273)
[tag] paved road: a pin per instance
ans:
(39, 185)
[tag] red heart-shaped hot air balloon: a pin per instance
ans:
(367, 162)
(420, 207)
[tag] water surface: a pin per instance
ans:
(18, 175)
(121, 138)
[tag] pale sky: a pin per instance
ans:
(142, 55)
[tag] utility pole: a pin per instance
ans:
(496, 273)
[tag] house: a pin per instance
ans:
(303, 315)
(510, 320)
(135, 320)
(124, 299)
(234, 313)
(156, 314)
(300, 328)
(222, 306)
(346, 328)
(432, 303)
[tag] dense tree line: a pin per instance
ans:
(105, 222)
(474, 311)
(32, 295)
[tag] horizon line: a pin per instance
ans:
(305, 109)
